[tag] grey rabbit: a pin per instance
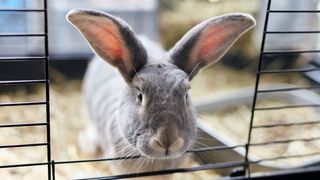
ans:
(140, 104)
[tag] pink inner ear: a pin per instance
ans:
(110, 41)
(212, 41)
(106, 40)
(104, 35)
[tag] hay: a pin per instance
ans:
(233, 123)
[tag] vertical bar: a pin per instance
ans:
(247, 165)
(53, 170)
(46, 54)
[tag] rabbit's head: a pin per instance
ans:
(157, 116)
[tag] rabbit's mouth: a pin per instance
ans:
(154, 149)
(151, 154)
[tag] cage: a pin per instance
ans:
(233, 160)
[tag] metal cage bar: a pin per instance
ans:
(258, 91)
(44, 58)
(255, 96)
(46, 54)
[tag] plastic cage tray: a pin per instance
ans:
(211, 138)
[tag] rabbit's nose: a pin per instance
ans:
(166, 146)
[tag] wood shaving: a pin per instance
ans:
(233, 124)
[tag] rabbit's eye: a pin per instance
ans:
(139, 97)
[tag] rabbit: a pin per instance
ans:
(138, 95)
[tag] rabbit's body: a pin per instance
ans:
(144, 107)
(104, 90)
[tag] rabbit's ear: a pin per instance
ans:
(111, 38)
(207, 42)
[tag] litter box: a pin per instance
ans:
(211, 138)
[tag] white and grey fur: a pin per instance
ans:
(140, 103)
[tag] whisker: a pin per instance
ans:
(139, 162)
(137, 73)
(199, 143)
(124, 157)
(194, 69)
(204, 138)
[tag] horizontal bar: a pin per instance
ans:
(23, 125)
(218, 148)
(283, 141)
(22, 10)
(171, 171)
(15, 82)
(23, 103)
(290, 52)
(287, 124)
(285, 157)
(287, 107)
(309, 172)
(287, 89)
(23, 35)
(138, 156)
(288, 71)
(291, 32)
(96, 160)
(14, 59)
(294, 11)
(23, 145)
(23, 165)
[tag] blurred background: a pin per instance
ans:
(164, 21)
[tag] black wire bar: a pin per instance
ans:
(23, 165)
(17, 82)
(287, 89)
(171, 171)
(284, 141)
(44, 58)
(47, 75)
(199, 168)
(285, 157)
(283, 71)
(23, 145)
(289, 52)
(23, 35)
(23, 125)
(22, 10)
(23, 103)
(293, 11)
(19, 59)
(291, 32)
(255, 95)
(205, 149)
(287, 107)
(286, 124)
